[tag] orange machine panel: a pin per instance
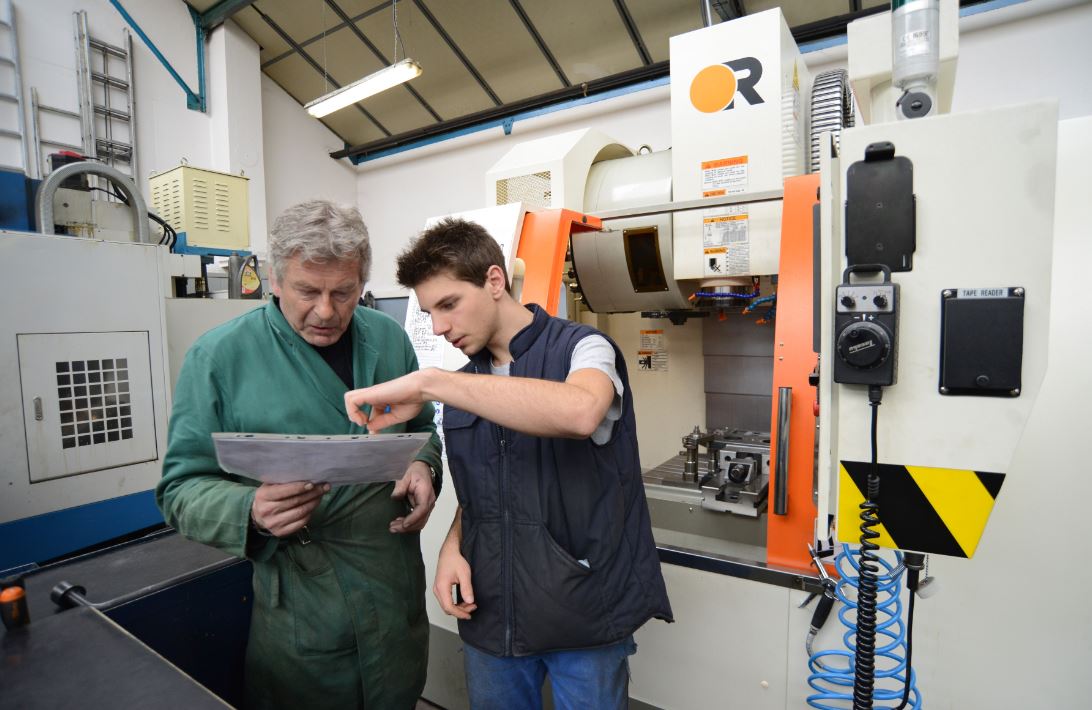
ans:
(789, 535)
(542, 246)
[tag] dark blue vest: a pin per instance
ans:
(534, 507)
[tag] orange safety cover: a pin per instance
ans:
(789, 535)
(542, 246)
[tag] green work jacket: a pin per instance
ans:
(340, 621)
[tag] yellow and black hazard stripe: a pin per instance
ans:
(936, 510)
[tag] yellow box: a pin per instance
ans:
(211, 207)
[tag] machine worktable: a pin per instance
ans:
(83, 659)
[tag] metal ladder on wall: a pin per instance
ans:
(13, 156)
(96, 61)
(37, 108)
(115, 145)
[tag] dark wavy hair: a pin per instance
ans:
(455, 246)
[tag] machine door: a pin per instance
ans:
(87, 402)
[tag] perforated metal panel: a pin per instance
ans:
(534, 189)
(94, 401)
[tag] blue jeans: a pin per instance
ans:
(594, 678)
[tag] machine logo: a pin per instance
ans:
(715, 87)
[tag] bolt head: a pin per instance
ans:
(944, 390)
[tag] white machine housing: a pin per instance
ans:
(86, 383)
(973, 232)
(731, 134)
(629, 266)
(551, 171)
(745, 144)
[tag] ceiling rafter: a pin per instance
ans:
(311, 40)
(379, 55)
(458, 52)
(533, 31)
(590, 88)
(634, 33)
(315, 65)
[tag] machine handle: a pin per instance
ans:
(781, 463)
(49, 186)
(867, 269)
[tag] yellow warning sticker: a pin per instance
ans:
(936, 510)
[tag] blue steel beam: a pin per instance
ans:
(221, 11)
(195, 101)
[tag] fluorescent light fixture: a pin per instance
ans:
(372, 84)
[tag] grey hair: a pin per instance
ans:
(320, 231)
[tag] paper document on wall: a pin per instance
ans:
(337, 460)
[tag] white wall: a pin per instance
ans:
(297, 162)
(166, 130)
(1027, 56)
(235, 112)
(251, 124)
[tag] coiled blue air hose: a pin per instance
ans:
(832, 670)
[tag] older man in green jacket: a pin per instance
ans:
(339, 615)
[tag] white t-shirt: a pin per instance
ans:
(595, 352)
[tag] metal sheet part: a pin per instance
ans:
(337, 460)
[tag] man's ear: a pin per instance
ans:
(495, 281)
(274, 285)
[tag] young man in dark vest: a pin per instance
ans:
(550, 555)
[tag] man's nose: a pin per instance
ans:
(324, 309)
(439, 325)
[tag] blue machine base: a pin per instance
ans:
(17, 201)
(181, 247)
(51, 535)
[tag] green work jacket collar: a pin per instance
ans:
(325, 381)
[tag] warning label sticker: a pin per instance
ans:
(726, 243)
(652, 340)
(652, 360)
(726, 176)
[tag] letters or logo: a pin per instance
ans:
(716, 86)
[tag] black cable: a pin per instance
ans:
(915, 562)
(168, 231)
(170, 236)
(164, 226)
(864, 665)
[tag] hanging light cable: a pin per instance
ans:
(387, 77)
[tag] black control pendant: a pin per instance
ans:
(865, 328)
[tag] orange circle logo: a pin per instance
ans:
(713, 88)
